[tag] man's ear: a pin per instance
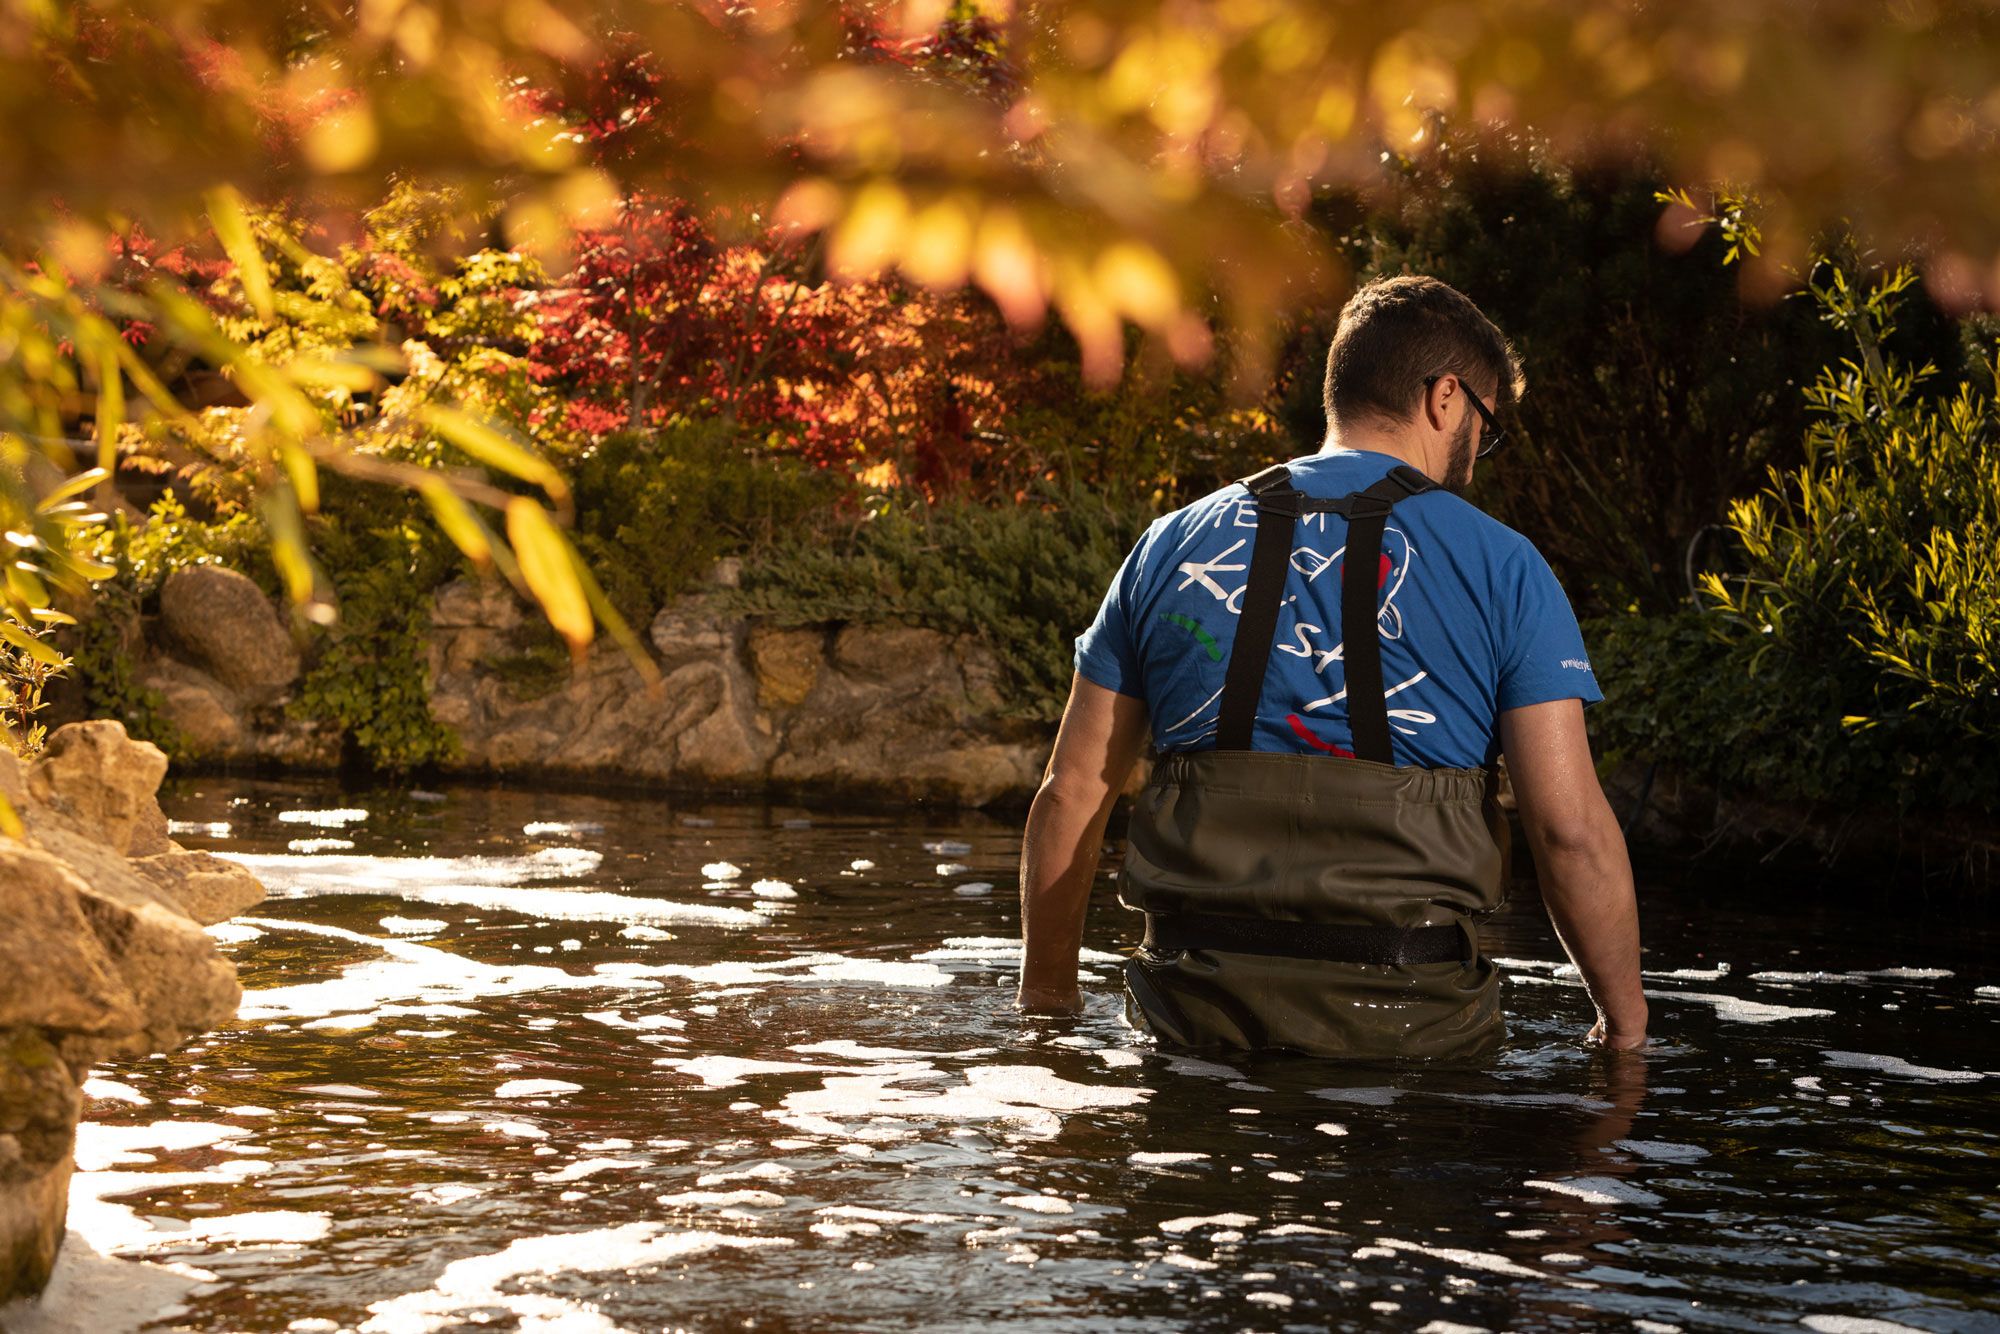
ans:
(1437, 401)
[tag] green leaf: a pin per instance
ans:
(548, 567)
(232, 228)
(71, 486)
(38, 649)
(495, 450)
(458, 521)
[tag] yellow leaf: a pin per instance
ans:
(302, 471)
(613, 621)
(85, 566)
(39, 650)
(110, 405)
(549, 569)
(148, 383)
(23, 583)
(867, 239)
(1008, 266)
(807, 206)
(288, 543)
(341, 141)
(940, 246)
(495, 450)
(460, 524)
(333, 373)
(232, 228)
(10, 820)
(73, 486)
(1135, 279)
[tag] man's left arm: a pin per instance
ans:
(1100, 739)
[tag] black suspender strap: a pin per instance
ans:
(1257, 624)
(1360, 619)
(1278, 509)
(1361, 632)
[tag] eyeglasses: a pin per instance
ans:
(1493, 432)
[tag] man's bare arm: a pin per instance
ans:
(1586, 875)
(1100, 739)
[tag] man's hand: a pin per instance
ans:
(1580, 855)
(1603, 1035)
(1039, 1001)
(1100, 739)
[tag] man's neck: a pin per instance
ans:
(1374, 442)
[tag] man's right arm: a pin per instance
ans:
(1586, 875)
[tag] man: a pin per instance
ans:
(1330, 658)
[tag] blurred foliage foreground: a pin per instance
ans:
(1789, 579)
(601, 301)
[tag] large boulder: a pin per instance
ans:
(101, 955)
(225, 625)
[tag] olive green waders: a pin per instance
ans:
(1316, 903)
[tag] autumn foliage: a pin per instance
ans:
(661, 317)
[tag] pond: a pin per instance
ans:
(512, 1060)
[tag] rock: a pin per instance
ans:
(103, 955)
(227, 627)
(787, 665)
(211, 723)
(689, 629)
(888, 654)
(94, 774)
(728, 747)
(478, 604)
(199, 708)
(40, 1102)
(205, 887)
(58, 975)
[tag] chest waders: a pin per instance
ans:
(1316, 903)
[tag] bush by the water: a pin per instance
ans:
(1851, 656)
(1025, 579)
(655, 508)
(1657, 393)
(379, 559)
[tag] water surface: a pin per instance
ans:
(580, 1063)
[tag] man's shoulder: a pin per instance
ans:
(1462, 517)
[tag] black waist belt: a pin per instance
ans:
(1169, 932)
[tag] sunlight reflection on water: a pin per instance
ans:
(604, 1085)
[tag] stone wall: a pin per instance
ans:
(886, 713)
(882, 712)
(102, 955)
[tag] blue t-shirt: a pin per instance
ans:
(1472, 620)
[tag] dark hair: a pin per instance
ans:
(1394, 332)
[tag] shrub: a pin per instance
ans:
(1656, 393)
(1162, 432)
(656, 508)
(370, 672)
(1023, 579)
(25, 676)
(1854, 658)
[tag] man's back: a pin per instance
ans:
(1472, 622)
(1316, 848)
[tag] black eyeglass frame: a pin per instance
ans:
(1495, 433)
